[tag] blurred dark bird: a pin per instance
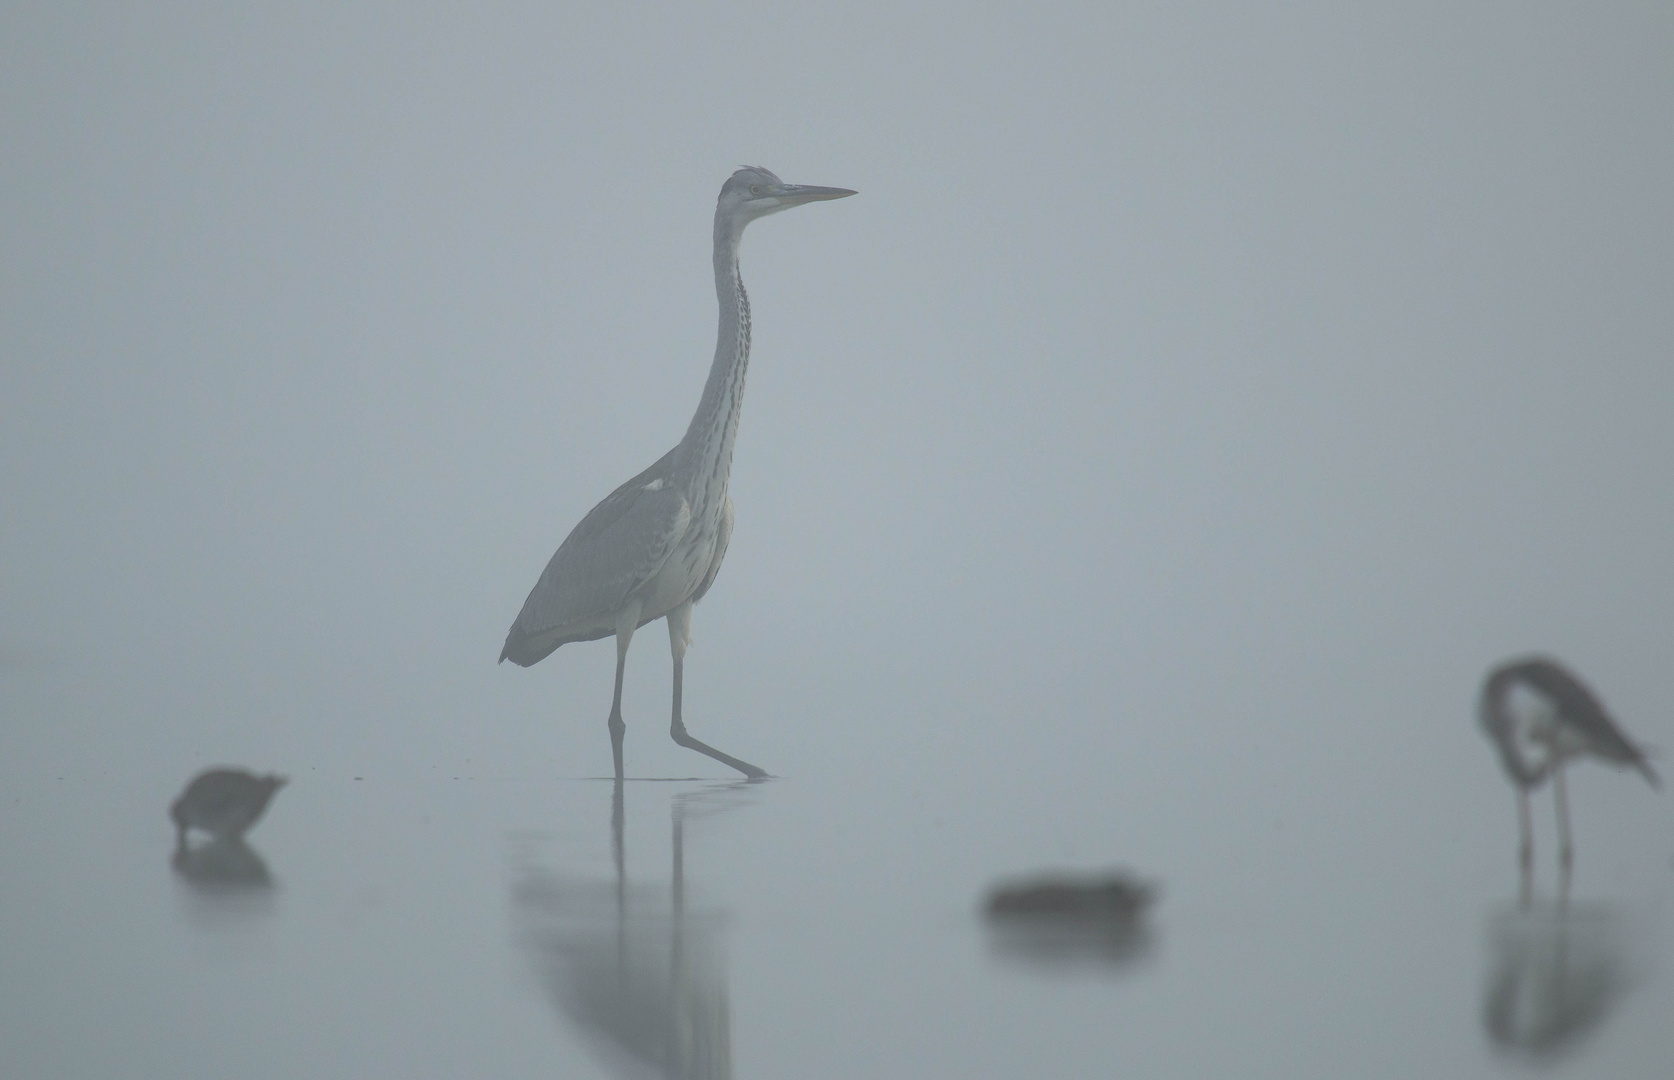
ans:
(652, 548)
(1539, 716)
(223, 803)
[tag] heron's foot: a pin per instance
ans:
(1566, 859)
(1525, 859)
(684, 738)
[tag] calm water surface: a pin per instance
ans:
(798, 927)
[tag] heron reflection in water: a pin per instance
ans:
(1555, 973)
(1539, 716)
(638, 972)
(221, 865)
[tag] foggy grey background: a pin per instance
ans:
(1144, 467)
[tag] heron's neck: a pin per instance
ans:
(709, 439)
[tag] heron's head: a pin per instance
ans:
(753, 192)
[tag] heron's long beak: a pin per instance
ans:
(797, 194)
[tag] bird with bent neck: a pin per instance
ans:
(1558, 720)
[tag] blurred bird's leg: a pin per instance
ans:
(625, 626)
(1566, 849)
(680, 636)
(1525, 851)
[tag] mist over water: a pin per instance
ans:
(1141, 471)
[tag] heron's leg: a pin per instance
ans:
(1566, 849)
(624, 635)
(680, 636)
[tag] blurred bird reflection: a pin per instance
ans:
(1555, 972)
(1064, 923)
(640, 975)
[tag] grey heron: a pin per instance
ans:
(652, 548)
(1558, 719)
(639, 971)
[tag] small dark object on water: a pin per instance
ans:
(1559, 720)
(223, 803)
(1116, 895)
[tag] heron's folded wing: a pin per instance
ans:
(619, 546)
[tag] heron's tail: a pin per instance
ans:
(1644, 766)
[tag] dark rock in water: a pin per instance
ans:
(1116, 895)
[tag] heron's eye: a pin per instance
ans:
(755, 189)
